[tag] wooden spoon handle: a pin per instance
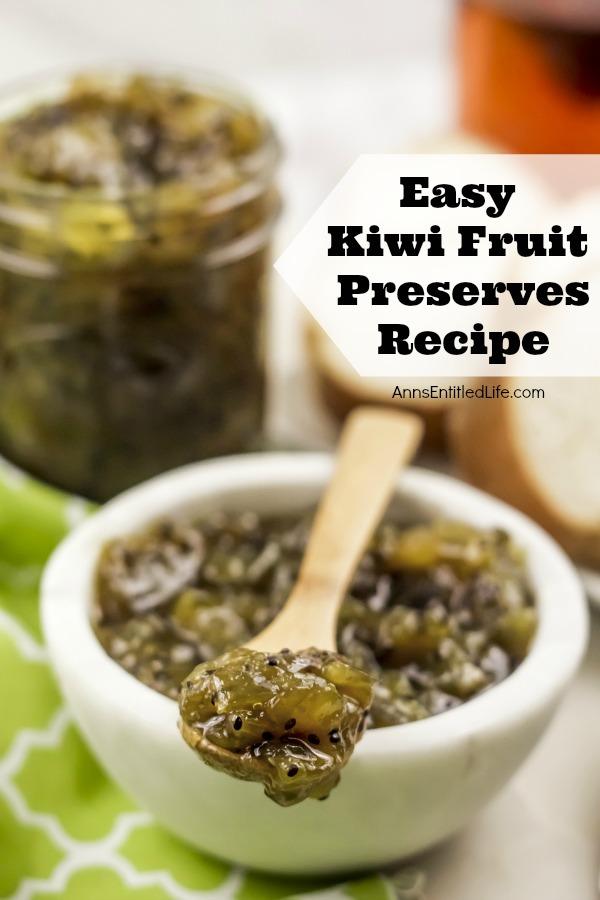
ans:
(374, 444)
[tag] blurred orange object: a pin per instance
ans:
(529, 73)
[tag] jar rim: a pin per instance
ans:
(258, 165)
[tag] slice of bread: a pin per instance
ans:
(540, 455)
(341, 388)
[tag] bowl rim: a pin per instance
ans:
(74, 650)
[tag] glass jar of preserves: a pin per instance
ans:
(135, 218)
(529, 73)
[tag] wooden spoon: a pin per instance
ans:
(374, 444)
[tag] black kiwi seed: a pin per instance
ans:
(238, 723)
(313, 739)
(293, 770)
(289, 724)
(128, 557)
(272, 661)
(334, 736)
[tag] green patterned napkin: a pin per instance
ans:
(65, 829)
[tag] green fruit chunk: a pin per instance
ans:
(289, 720)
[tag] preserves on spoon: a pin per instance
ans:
(289, 720)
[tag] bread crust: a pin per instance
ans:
(340, 395)
(484, 440)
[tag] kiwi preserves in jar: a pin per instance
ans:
(135, 218)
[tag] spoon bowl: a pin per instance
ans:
(221, 756)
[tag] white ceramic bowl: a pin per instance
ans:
(406, 787)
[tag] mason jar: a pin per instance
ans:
(136, 213)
